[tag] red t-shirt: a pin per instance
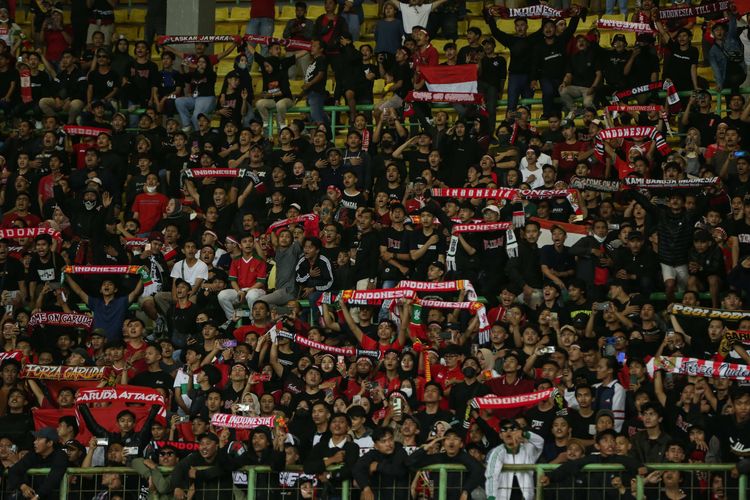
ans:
(241, 332)
(567, 156)
(262, 8)
(31, 220)
(56, 43)
(150, 208)
(248, 272)
(370, 344)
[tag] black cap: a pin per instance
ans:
(439, 265)
(635, 235)
(702, 235)
(619, 38)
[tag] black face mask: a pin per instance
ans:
(469, 372)
(301, 412)
(503, 139)
(386, 145)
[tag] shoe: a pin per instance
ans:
(160, 326)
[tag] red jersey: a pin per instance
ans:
(372, 345)
(248, 272)
(150, 208)
(567, 157)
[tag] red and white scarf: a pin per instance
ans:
(517, 401)
(240, 421)
(629, 133)
(450, 97)
(613, 24)
(178, 39)
(28, 232)
(673, 98)
(212, 172)
(457, 229)
(276, 331)
(102, 269)
(697, 11)
(121, 393)
(289, 43)
(17, 355)
(511, 194)
(86, 131)
(699, 367)
(68, 320)
(375, 296)
(621, 108)
(307, 220)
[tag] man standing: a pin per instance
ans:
(519, 446)
(214, 480)
(262, 13)
(315, 83)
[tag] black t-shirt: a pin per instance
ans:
(45, 271)
(154, 380)
(734, 438)
(741, 230)
(582, 427)
(417, 240)
(417, 162)
(677, 66)
(426, 421)
(143, 77)
(396, 242)
(103, 83)
(706, 123)
(644, 65)
(6, 79)
(613, 64)
(368, 255)
(276, 82)
(319, 65)
(403, 73)
(11, 272)
(169, 80)
(540, 421)
(41, 85)
(583, 66)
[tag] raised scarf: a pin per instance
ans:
(699, 367)
(457, 229)
(709, 313)
(628, 133)
(86, 131)
(68, 320)
(451, 97)
(289, 43)
(613, 24)
(240, 421)
(697, 11)
(178, 39)
(673, 98)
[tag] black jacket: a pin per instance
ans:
(391, 478)
(315, 465)
(209, 483)
(598, 485)
(321, 283)
(458, 482)
(46, 486)
(133, 438)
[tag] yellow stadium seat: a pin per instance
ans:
(287, 12)
(278, 30)
(239, 14)
(222, 14)
(371, 10)
(313, 11)
(137, 16)
(121, 16)
(228, 28)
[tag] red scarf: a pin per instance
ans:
(673, 98)
(25, 78)
(517, 401)
(70, 320)
(451, 97)
(612, 24)
(531, 12)
(290, 44)
(241, 422)
(697, 11)
(179, 39)
(87, 131)
(627, 133)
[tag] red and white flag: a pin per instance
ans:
(458, 78)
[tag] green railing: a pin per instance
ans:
(738, 492)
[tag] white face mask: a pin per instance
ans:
(89, 205)
(150, 189)
(407, 390)
(242, 65)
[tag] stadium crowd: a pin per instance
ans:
(473, 284)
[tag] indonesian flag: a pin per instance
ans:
(458, 78)
(575, 232)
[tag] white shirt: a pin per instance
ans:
(538, 180)
(190, 274)
(414, 15)
(542, 160)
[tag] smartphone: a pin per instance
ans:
(446, 335)
(226, 344)
(54, 285)
(553, 316)
(147, 248)
(130, 450)
(102, 441)
(547, 350)
(601, 306)
(340, 360)
(14, 448)
(397, 405)
(243, 407)
(242, 313)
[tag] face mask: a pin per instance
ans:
(150, 189)
(469, 372)
(89, 205)
(302, 412)
(407, 390)
(386, 145)
(242, 65)
(503, 138)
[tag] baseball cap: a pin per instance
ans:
(619, 38)
(47, 433)
(491, 208)
(635, 235)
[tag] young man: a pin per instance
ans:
(518, 446)
(248, 276)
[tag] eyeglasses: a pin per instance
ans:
(166, 453)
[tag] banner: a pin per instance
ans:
(240, 421)
(68, 320)
(639, 183)
(85, 131)
(121, 393)
(288, 43)
(376, 295)
(697, 11)
(178, 39)
(517, 401)
(699, 368)
(594, 184)
(105, 416)
(102, 269)
(64, 373)
(461, 78)
(531, 12)
(449, 97)
(28, 232)
(613, 24)
(708, 313)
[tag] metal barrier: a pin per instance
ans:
(437, 482)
